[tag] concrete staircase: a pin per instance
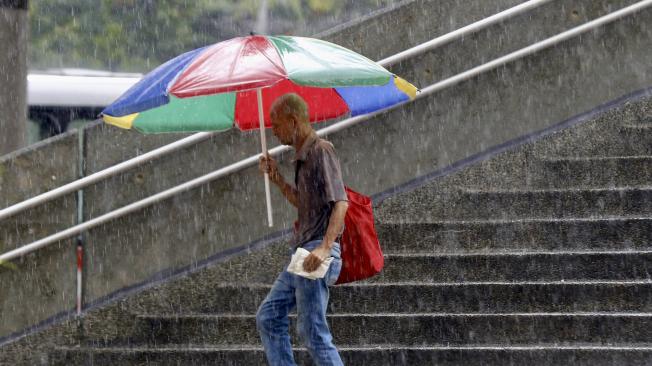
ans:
(540, 255)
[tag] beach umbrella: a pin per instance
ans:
(234, 83)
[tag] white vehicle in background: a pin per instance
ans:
(56, 97)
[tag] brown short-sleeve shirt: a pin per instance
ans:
(318, 179)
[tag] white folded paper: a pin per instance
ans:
(296, 265)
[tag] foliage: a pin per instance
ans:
(112, 34)
(8, 265)
(138, 35)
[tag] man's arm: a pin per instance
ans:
(335, 225)
(288, 191)
(267, 164)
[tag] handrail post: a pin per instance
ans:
(80, 219)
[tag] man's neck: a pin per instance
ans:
(303, 136)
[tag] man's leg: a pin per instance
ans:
(312, 302)
(273, 323)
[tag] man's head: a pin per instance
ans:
(289, 116)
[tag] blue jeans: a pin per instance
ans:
(311, 299)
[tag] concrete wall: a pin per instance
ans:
(46, 276)
(13, 75)
(409, 23)
(503, 38)
(395, 147)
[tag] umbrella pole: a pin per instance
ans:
(263, 145)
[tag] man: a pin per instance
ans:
(321, 201)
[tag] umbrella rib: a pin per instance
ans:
(309, 54)
(172, 81)
(323, 63)
(239, 53)
(282, 67)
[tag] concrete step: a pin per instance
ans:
(382, 355)
(521, 235)
(511, 266)
(588, 155)
(594, 172)
(624, 131)
(498, 266)
(424, 205)
(455, 238)
(469, 297)
(410, 329)
(637, 138)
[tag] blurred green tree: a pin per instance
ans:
(138, 35)
(127, 35)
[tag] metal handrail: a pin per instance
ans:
(466, 30)
(199, 137)
(253, 160)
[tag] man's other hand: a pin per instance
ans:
(315, 258)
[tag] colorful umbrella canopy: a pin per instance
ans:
(235, 82)
(214, 88)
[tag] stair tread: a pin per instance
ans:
(593, 158)
(553, 190)
(413, 315)
(642, 126)
(451, 284)
(519, 220)
(398, 347)
(515, 253)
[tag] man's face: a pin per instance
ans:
(283, 128)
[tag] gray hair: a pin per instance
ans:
(290, 104)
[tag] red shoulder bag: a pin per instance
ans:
(360, 249)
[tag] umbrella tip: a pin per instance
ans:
(252, 33)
